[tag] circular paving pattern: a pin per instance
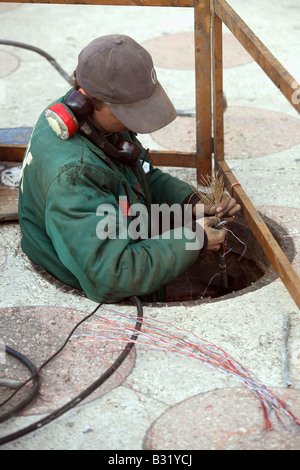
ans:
(38, 332)
(177, 51)
(248, 132)
(4, 7)
(8, 63)
(227, 419)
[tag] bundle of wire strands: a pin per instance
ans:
(160, 336)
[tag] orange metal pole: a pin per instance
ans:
(203, 86)
(218, 108)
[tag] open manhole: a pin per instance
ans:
(202, 282)
(246, 270)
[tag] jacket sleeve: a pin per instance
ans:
(92, 241)
(167, 188)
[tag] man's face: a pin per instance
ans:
(104, 120)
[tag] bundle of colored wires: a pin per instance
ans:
(160, 336)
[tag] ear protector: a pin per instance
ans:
(64, 118)
(72, 116)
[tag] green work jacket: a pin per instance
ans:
(74, 208)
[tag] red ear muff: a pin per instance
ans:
(61, 120)
(72, 115)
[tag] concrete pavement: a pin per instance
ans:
(159, 400)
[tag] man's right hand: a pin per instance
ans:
(215, 237)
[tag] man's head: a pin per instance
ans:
(101, 116)
(116, 70)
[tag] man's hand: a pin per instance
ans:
(227, 208)
(215, 237)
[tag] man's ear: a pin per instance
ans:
(81, 90)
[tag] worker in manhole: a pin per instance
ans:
(94, 212)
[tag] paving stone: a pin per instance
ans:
(227, 419)
(4, 7)
(38, 332)
(248, 133)
(177, 51)
(289, 219)
(200, 411)
(8, 63)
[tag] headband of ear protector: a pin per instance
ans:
(71, 116)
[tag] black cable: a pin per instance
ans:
(186, 112)
(34, 389)
(105, 376)
(50, 59)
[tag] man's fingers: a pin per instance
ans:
(212, 221)
(209, 210)
(226, 203)
(228, 206)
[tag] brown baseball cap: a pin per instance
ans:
(120, 72)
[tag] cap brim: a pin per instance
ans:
(148, 115)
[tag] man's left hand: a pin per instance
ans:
(227, 208)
